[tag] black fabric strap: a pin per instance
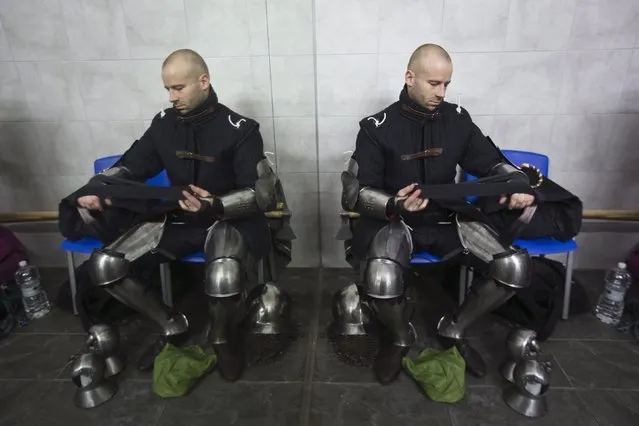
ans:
(507, 183)
(509, 235)
(109, 186)
(169, 193)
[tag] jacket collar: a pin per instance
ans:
(204, 112)
(414, 111)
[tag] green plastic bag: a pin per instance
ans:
(177, 370)
(441, 374)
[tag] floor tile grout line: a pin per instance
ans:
(450, 417)
(307, 387)
(487, 386)
(583, 401)
(363, 384)
(161, 413)
(556, 360)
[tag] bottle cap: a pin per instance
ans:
(621, 265)
(22, 263)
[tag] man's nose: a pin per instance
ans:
(441, 91)
(172, 96)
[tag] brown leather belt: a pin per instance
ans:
(432, 152)
(186, 155)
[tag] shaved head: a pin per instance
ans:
(424, 53)
(186, 78)
(428, 75)
(189, 57)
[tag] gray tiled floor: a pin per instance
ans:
(595, 380)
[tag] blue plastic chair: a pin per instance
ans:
(424, 257)
(541, 246)
(89, 244)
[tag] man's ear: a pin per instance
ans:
(409, 78)
(205, 81)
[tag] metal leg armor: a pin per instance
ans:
(258, 320)
(508, 269)
(110, 268)
(383, 282)
(225, 275)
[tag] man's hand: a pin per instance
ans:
(92, 202)
(410, 198)
(191, 203)
(518, 201)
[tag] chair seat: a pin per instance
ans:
(197, 257)
(546, 245)
(85, 245)
(424, 257)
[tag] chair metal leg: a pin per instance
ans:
(470, 274)
(271, 265)
(260, 272)
(463, 276)
(72, 283)
(167, 286)
(567, 286)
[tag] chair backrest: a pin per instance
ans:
(161, 179)
(518, 158)
(541, 161)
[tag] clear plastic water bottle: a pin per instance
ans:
(610, 306)
(34, 298)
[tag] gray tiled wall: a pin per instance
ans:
(81, 79)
